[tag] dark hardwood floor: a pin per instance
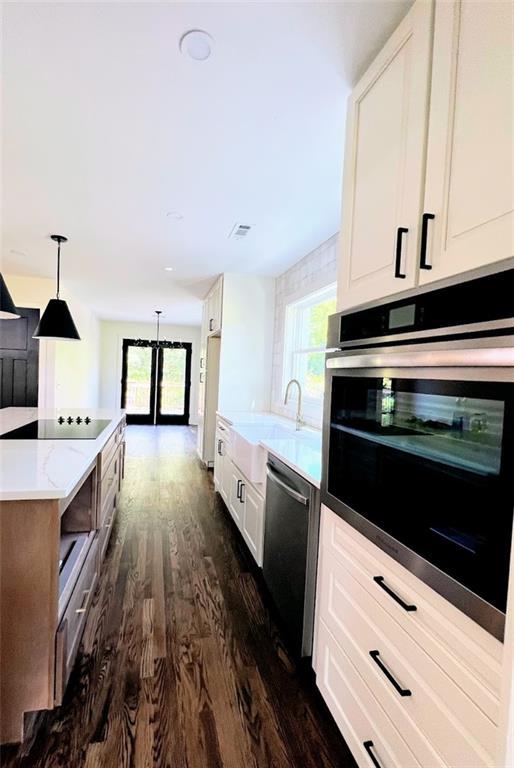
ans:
(181, 665)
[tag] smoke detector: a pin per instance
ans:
(239, 231)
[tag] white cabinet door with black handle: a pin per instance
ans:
(469, 186)
(384, 166)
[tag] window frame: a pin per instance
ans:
(312, 407)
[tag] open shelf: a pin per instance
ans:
(73, 550)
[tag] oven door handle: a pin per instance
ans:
(290, 491)
(488, 357)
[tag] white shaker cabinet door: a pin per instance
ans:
(253, 522)
(469, 177)
(384, 165)
(235, 505)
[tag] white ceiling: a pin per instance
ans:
(107, 127)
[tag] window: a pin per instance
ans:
(305, 342)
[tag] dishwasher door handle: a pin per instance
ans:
(290, 491)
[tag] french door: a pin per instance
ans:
(156, 383)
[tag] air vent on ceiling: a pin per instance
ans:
(239, 231)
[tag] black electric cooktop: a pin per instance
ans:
(58, 429)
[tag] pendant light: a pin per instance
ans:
(157, 343)
(57, 322)
(7, 309)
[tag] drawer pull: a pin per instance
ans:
(85, 596)
(375, 655)
(368, 746)
(381, 583)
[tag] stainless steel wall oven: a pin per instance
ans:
(419, 436)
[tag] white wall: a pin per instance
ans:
(68, 370)
(316, 270)
(112, 334)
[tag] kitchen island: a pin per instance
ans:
(57, 504)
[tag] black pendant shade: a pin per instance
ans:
(57, 322)
(7, 309)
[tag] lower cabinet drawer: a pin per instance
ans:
(70, 629)
(104, 534)
(108, 488)
(370, 734)
(442, 725)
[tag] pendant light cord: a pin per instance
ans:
(58, 267)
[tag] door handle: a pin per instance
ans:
(398, 262)
(368, 746)
(375, 655)
(290, 491)
(424, 239)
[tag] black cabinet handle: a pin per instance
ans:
(368, 746)
(241, 497)
(211, 321)
(424, 233)
(398, 263)
(381, 583)
(375, 655)
(238, 489)
(220, 443)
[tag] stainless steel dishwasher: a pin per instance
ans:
(291, 534)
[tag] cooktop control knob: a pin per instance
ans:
(60, 420)
(87, 420)
(69, 420)
(78, 420)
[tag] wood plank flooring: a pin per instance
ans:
(181, 665)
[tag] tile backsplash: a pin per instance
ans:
(315, 271)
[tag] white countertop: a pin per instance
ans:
(47, 469)
(303, 456)
(301, 451)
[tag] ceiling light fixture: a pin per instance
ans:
(57, 322)
(158, 343)
(175, 215)
(197, 44)
(168, 269)
(7, 309)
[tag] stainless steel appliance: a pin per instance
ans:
(291, 551)
(419, 435)
(70, 428)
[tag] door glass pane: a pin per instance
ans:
(173, 388)
(139, 376)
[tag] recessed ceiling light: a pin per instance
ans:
(197, 44)
(175, 215)
(168, 269)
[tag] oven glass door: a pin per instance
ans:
(430, 462)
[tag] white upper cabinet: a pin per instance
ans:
(469, 178)
(384, 165)
(214, 307)
(429, 169)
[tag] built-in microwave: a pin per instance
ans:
(419, 440)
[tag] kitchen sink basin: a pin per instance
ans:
(246, 452)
